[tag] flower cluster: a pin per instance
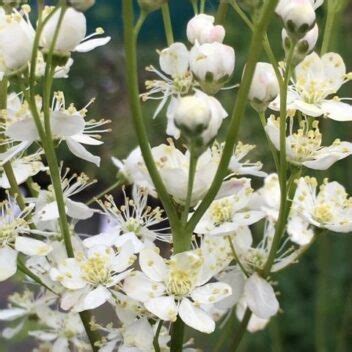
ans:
(213, 245)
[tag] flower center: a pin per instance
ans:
(9, 231)
(96, 270)
(323, 213)
(132, 225)
(180, 283)
(221, 211)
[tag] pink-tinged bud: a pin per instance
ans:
(265, 86)
(298, 16)
(201, 29)
(212, 64)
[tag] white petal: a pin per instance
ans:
(84, 139)
(260, 297)
(299, 231)
(211, 293)
(94, 299)
(174, 60)
(92, 44)
(195, 317)
(61, 345)
(9, 333)
(77, 210)
(308, 109)
(23, 131)
(31, 246)
(337, 110)
(138, 286)
(163, 307)
(11, 314)
(80, 152)
(48, 212)
(8, 263)
(66, 125)
(153, 265)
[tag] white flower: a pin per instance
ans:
(201, 29)
(212, 64)
(225, 215)
(174, 62)
(133, 221)
(210, 108)
(238, 166)
(90, 279)
(173, 167)
(316, 79)
(304, 146)
(16, 41)
(62, 330)
(23, 167)
(66, 124)
(14, 231)
(176, 287)
(265, 86)
(72, 33)
(330, 208)
(47, 210)
(21, 307)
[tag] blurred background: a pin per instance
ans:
(315, 294)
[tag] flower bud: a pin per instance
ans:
(151, 5)
(201, 29)
(212, 64)
(298, 16)
(16, 42)
(304, 46)
(199, 117)
(192, 115)
(72, 31)
(265, 86)
(82, 5)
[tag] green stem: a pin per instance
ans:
(226, 332)
(116, 184)
(193, 158)
(283, 214)
(130, 39)
(165, 11)
(202, 6)
(195, 6)
(329, 26)
(240, 331)
(222, 12)
(177, 335)
(156, 337)
(322, 302)
(238, 112)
